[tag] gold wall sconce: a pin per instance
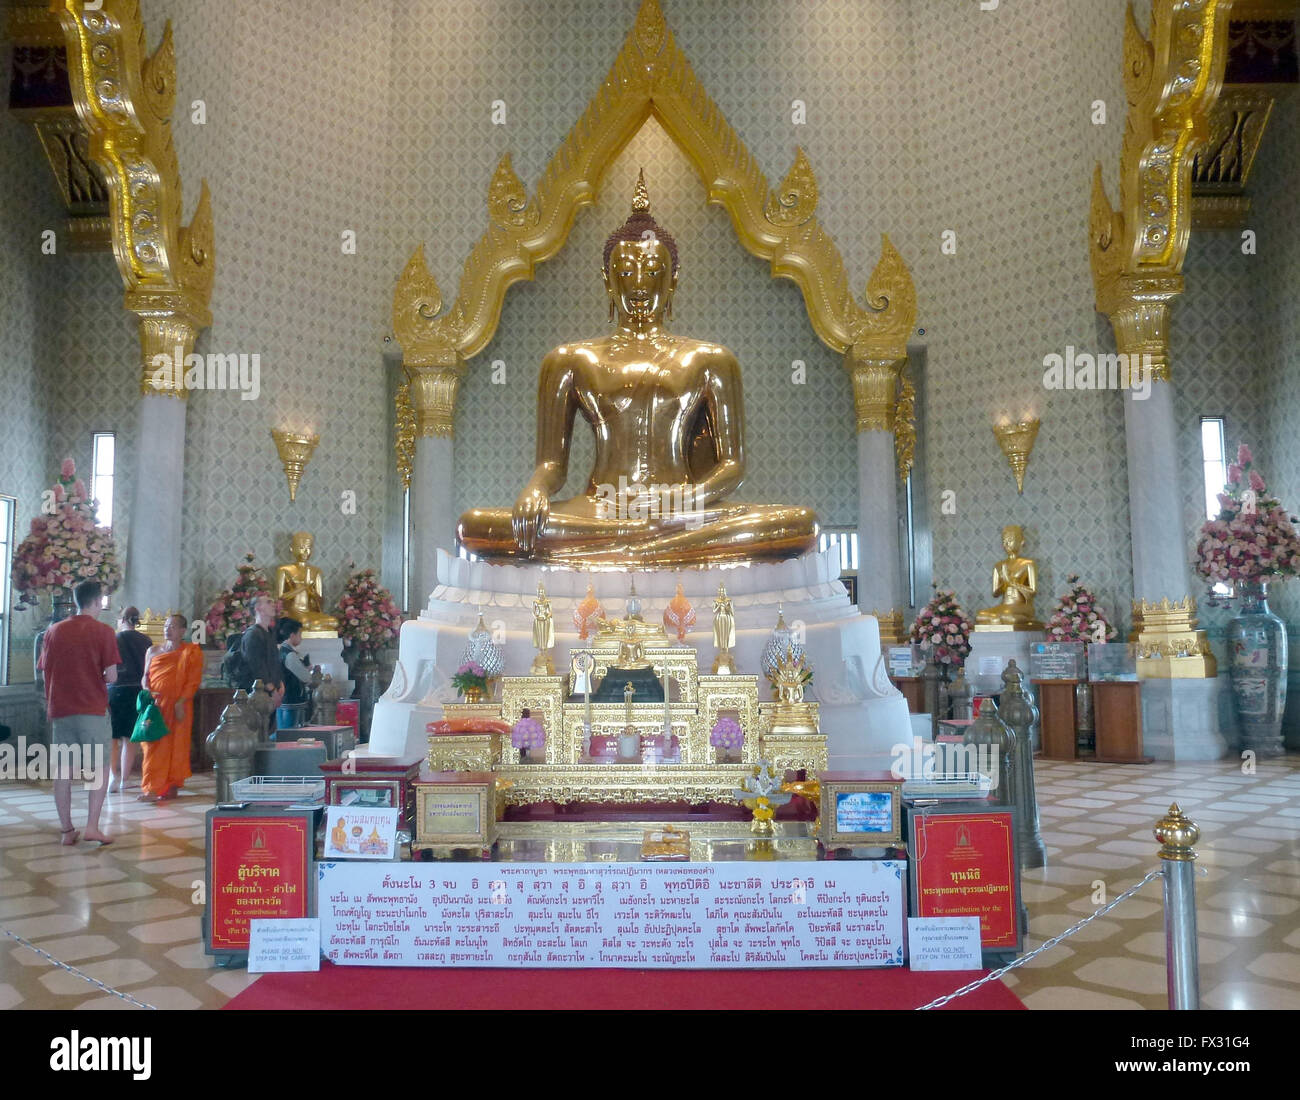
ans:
(1017, 442)
(295, 452)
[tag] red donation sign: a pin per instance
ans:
(966, 867)
(259, 868)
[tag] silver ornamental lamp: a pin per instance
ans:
(780, 644)
(481, 650)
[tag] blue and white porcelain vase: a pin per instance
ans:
(1257, 654)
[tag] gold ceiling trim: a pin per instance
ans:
(1171, 81)
(651, 76)
(124, 98)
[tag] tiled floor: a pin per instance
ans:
(128, 915)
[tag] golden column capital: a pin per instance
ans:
(166, 338)
(875, 389)
(434, 387)
(1139, 311)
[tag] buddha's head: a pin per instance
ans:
(1013, 538)
(301, 545)
(640, 267)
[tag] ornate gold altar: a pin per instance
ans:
(569, 775)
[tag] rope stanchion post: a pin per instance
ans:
(1178, 834)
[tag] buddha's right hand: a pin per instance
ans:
(530, 512)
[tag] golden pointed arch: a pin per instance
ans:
(650, 76)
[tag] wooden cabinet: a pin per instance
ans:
(1057, 717)
(209, 702)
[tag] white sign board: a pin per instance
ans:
(355, 833)
(900, 660)
(944, 943)
(990, 666)
(280, 946)
(838, 914)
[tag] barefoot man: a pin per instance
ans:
(79, 657)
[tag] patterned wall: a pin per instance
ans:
(1007, 147)
(26, 279)
(922, 116)
(1277, 220)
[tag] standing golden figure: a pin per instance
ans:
(668, 418)
(543, 634)
(1015, 579)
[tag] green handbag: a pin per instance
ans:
(149, 723)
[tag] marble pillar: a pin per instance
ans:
(153, 566)
(433, 514)
(1160, 547)
(880, 579)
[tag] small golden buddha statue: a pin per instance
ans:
(668, 419)
(724, 633)
(299, 586)
(1015, 579)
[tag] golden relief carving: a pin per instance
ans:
(794, 202)
(651, 76)
(1171, 81)
(905, 426)
(405, 445)
(508, 203)
(124, 99)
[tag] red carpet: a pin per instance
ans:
(355, 987)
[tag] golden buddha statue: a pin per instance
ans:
(1015, 579)
(299, 586)
(668, 419)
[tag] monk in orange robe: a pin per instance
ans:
(172, 673)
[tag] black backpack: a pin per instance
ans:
(233, 669)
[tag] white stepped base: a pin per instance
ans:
(862, 714)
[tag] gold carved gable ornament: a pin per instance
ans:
(650, 77)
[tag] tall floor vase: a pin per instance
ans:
(1257, 652)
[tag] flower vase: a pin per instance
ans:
(473, 694)
(1257, 655)
(366, 673)
(726, 755)
(1085, 734)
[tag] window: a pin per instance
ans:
(846, 539)
(8, 508)
(101, 478)
(1215, 464)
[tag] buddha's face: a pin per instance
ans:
(640, 280)
(1012, 539)
(301, 546)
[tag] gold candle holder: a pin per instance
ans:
(295, 452)
(1017, 443)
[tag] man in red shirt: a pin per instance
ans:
(79, 658)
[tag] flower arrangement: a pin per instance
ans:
(65, 546)
(1079, 618)
(368, 618)
(470, 679)
(528, 733)
(942, 626)
(1253, 537)
(231, 612)
(726, 734)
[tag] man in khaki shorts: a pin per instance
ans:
(79, 657)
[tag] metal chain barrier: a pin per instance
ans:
(73, 970)
(941, 1001)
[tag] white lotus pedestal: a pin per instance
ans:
(328, 653)
(990, 652)
(862, 713)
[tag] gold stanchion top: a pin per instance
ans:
(1177, 834)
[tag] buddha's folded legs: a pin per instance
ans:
(705, 536)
